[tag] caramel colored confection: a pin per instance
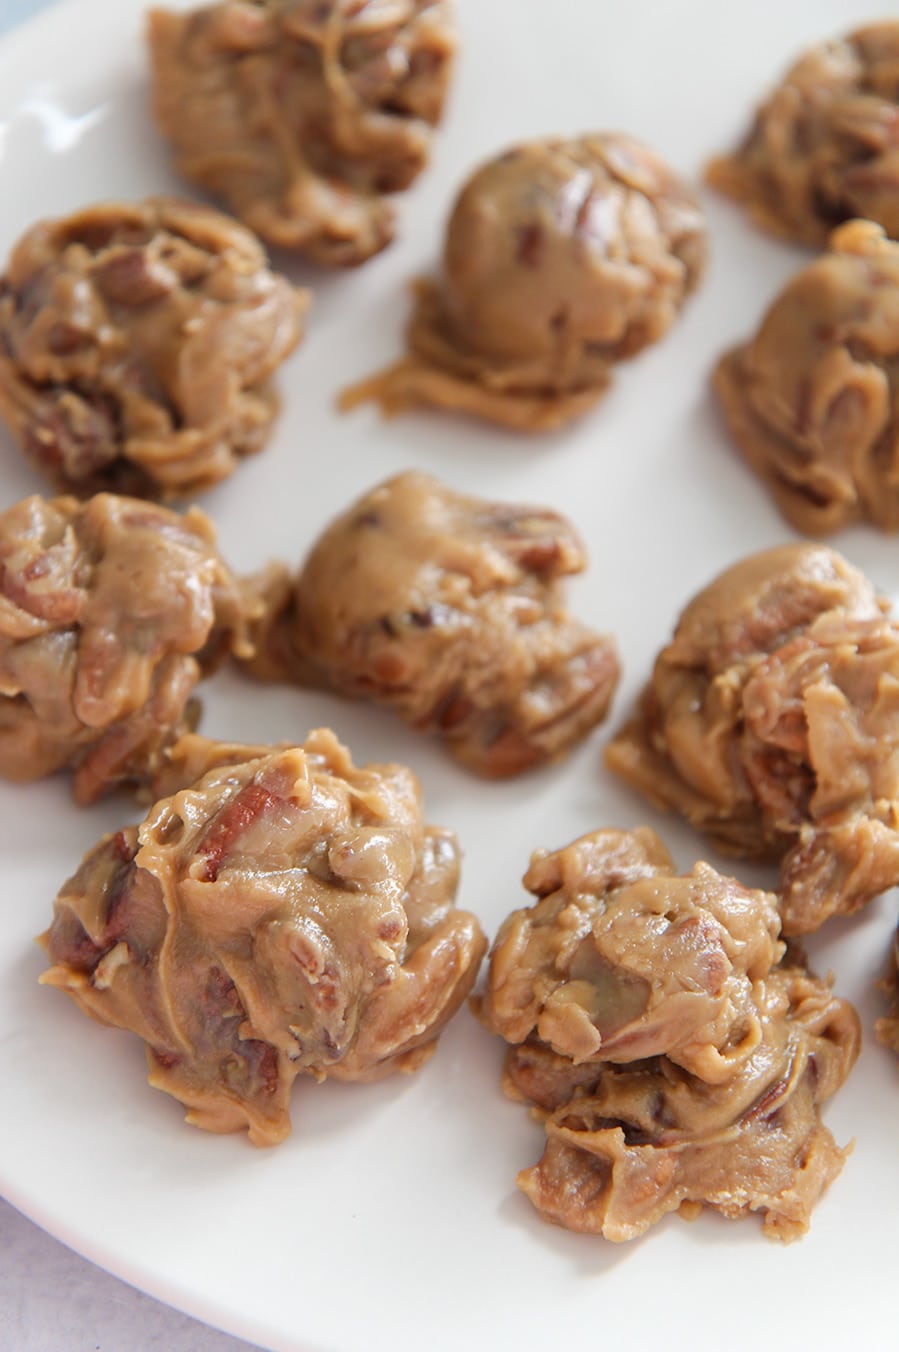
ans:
(676, 1056)
(561, 258)
(771, 722)
(888, 1027)
(110, 613)
(299, 115)
(287, 914)
(823, 147)
(812, 399)
(449, 610)
(137, 342)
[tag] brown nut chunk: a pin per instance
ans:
(811, 399)
(137, 342)
(771, 722)
(449, 610)
(887, 1028)
(288, 913)
(300, 115)
(675, 1061)
(110, 612)
(823, 146)
(561, 258)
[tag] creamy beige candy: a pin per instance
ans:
(823, 147)
(561, 258)
(300, 115)
(812, 399)
(286, 914)
(137, 344)
(676, 1058)
(771, 722)
(888, 1026)
(449, 610)
(611, 965)
(111, 611)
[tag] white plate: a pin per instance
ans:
(390, 1219)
